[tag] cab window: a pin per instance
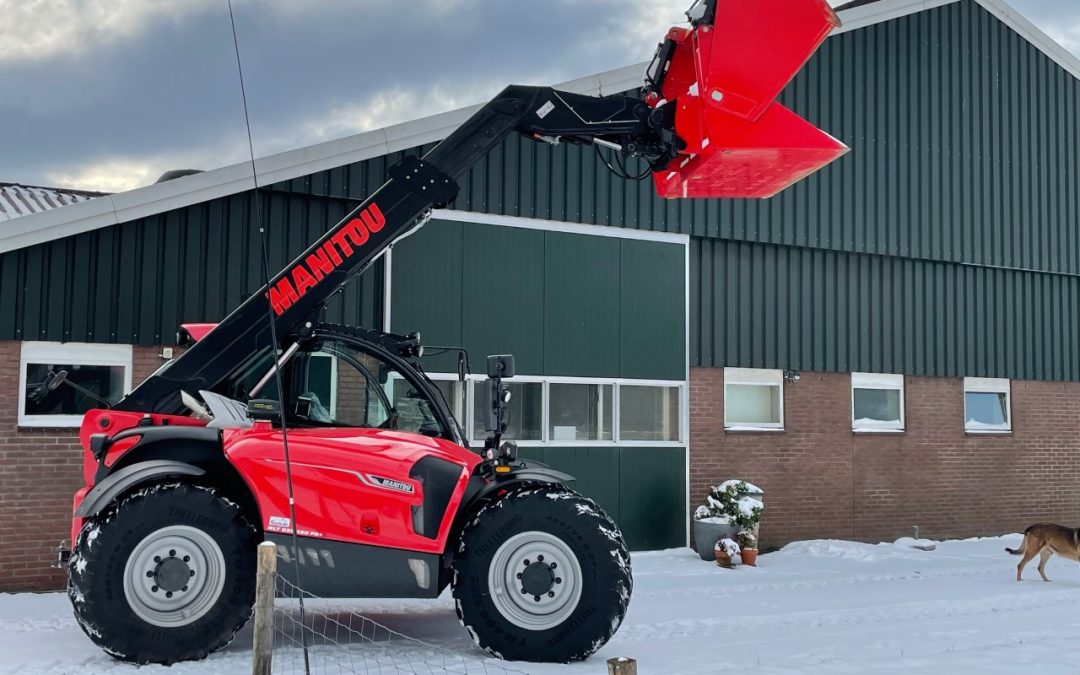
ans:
(336, 384)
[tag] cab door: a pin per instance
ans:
(354, 454)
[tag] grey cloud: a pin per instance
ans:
(168, 93)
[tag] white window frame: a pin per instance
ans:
(882, 381)
(616, 413)
(79, 353)
(989, 385)
(545, 401)
(754, 376)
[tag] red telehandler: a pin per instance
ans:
(188, 472)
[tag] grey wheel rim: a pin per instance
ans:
(535, 580)
(174, 576)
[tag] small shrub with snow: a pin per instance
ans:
(732, 503)
(729, 546)
(747, 540)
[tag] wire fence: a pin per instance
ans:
(342, 642)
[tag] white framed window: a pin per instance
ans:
(525, 420)
(580, 411)
(987, 405)
(649, 412)
(574, 411)
(59, 381)
(877, 402)
(753, 399)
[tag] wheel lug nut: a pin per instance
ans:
(154, 589)
(554, 565)
(172, 553)
(191, 573)
(540, 558)
(551, 594)
(168, 594)
(526, 562)
(536, 598)
(187, 558)
(150, 574)
(184, 589)
(157, 558)
(558, 580)
(523, 591)
(519, 575)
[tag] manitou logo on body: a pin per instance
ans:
(391, 484)
(342, 244)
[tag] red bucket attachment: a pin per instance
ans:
(724, 75)
(748, 159)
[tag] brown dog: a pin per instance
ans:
(1044, 540)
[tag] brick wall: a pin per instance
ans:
(40, 469)
(822, 480)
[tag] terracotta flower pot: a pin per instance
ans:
(749, 556)
(723, 559)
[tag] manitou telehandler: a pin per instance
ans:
(188, 472)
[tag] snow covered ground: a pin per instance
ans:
(814, 607)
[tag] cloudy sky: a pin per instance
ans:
(108, 94)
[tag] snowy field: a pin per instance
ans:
(814, 607)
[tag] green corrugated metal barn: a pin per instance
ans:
(945, 245)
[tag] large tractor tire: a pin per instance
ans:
(542, 574)
(165, 574)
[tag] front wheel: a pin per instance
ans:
(542, 574)
(163, 575)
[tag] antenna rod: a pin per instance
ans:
(274, 344)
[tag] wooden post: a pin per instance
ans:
(263, 647)
(622, 666)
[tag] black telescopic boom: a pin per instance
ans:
(301, 290)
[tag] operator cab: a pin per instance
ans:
(349, 377)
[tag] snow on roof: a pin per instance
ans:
(22, 200)
(153, 199)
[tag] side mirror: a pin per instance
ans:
(497, 395)
(264, 409)
(500, 365)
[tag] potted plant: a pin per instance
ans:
(748, 547)
(710, 526)
(725, 550)
(729, 508)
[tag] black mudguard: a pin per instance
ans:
(121, 480)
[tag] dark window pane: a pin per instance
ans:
(877, 405)
(580, 412)
(106, 382)
(525, 419)
(648, 413)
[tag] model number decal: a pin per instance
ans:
(391, 484)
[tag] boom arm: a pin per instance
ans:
(708, 127)
(415, 186)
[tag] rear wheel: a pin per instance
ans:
(163, 575)
(542, 574)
